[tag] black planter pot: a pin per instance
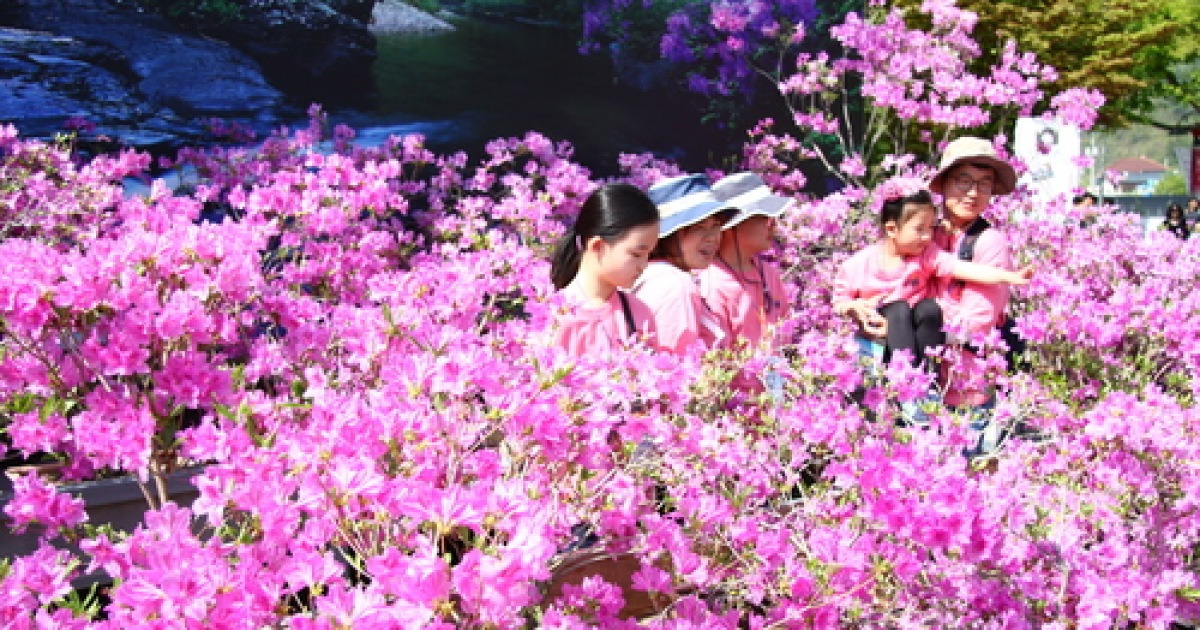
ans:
(118, 502)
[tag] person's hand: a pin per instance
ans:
(1023, 275)
(874, 325)
(866, 311)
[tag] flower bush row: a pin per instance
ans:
(346, 345)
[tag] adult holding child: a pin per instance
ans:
(969, 175)
(889, 288)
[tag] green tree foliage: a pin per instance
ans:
(1182, 87)
(1130, 50)
(1172, 184)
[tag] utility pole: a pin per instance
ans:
(1096, 153)
(1194, 172)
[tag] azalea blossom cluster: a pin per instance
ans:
(916, 86)
(346, 349)
(385, 439)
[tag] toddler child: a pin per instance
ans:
(888, 288)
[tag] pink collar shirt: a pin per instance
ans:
(746, 306)
(681, 318)
(863, 276)
(585, 329)
(971, 306)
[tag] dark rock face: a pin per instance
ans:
(360, 10)
(48, 79)
(314, 51)
(142, 78)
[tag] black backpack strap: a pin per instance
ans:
(1016, 344)
(630, 326)
(966, 249)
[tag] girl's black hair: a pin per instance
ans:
(893, 209)
(609, 212)
(1173, 208)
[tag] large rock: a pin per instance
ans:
(132, 74)
(49, 79)
(360, 10)
(138, 75)
(396, 16)
(314, 50)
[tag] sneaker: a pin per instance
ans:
(988, 434)
(915, 413)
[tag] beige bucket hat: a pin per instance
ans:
(976, 152)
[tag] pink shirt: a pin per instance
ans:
(681, 318)
(863, 276)
(741, 306)
(585, 329)
(970, 305)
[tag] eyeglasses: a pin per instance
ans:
(964, 184)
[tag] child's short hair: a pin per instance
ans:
(894, 208)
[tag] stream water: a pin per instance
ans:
(488, 80)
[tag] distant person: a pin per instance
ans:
(1176, 222)
(1084, 208)
(601, 256)
(1193, 211)
(1084, 200)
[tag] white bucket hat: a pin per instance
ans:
(973, 150)
(682, 201)
(749, 194)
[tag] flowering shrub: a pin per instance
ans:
(347, 348)
(722, 51)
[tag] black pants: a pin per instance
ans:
(914, 328)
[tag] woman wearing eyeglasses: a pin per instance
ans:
(969, 175)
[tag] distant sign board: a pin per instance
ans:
(1195, 171)
(1050, 151)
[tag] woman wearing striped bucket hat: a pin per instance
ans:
(744, 289)
(689, 236)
